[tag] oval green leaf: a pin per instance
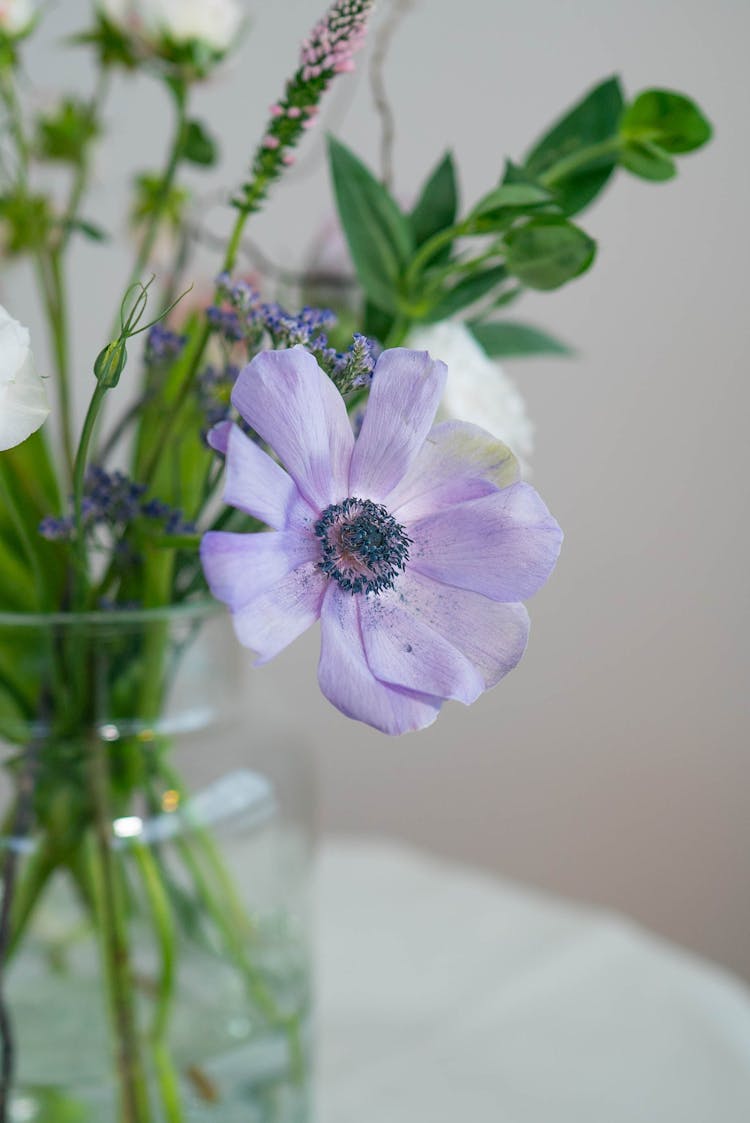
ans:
(667, 119)
(546, 252)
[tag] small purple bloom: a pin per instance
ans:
(413, 544)
(163, 345)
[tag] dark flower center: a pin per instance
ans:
(362, 546)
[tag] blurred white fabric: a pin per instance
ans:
(447, 996)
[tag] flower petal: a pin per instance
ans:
(457, 462)
(347, 681)
(503, 545)
(278, 616)
(217, 438)
(404, 650)
(406, 391)
(296, 409)
(24, 406)
(492, 635)
(258, 485)
(239, 567)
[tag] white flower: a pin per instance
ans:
(477, 389)
(23, 398)
(15, 16)
(214, 22)
(120, 13)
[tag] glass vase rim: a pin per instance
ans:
(199, 608)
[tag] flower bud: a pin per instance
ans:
(110, 363)
(214, 23)
(16, 17)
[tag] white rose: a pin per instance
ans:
(23, 398)
(214, 22)
(15, 16)
(477, 389)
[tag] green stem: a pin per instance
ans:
(58, 317)
(80, 178)
(79, 477)
(164, 928)
(167, 180)
(235, 241)
(173, 415)
(230, 260)
(114, 942)
(585, 159)
(8, 94)
(432, 246)
(231, 920)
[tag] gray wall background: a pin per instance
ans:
(613, 765)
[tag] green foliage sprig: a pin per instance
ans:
(424, 265)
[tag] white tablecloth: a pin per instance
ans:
(449, 997)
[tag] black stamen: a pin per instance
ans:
(363, 547)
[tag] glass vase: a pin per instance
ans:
(155, 858)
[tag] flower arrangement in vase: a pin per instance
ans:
(273, 461)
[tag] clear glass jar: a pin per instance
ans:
(155, 861)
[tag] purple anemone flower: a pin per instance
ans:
(413, 544)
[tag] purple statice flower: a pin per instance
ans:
(162, 345)
(287, 329)
(214, 386)
(56, 529)
(353, 369)
(226, 322)
(414, 545)
(112, 501)
(240, 294)
(111, 497)
(239, 314)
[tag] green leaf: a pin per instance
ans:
(27, 221)
(513, 340)
(199, 146)
(379, 235)
(28, 473)
(466, 292)
(546, 252)
(65, 133)
(437, 205)
(88, 229)
(648, 161)
(512, 197)
(376, 323)
(516, 173)
(508, 297)
(667, 119)
(591, 121)
(148, 200)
